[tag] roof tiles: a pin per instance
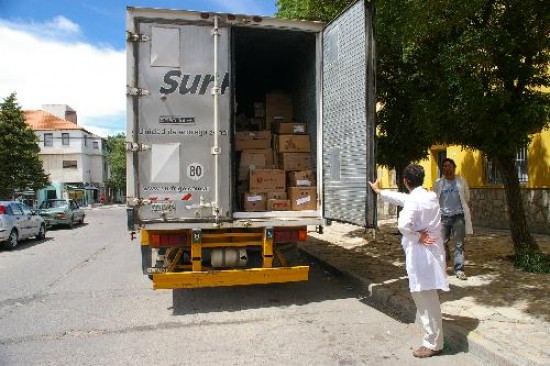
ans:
(43, 121)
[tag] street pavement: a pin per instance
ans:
(500, 314)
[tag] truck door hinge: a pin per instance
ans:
(136, 37)
(138, 92)
(134, 146)
(216, 90)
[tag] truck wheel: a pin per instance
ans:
(12, 240)
(41, 232)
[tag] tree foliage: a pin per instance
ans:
(20, 164)
(116, 150)
(320, 10)
(488, 61)
(473, 73)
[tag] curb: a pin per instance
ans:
(459, 338)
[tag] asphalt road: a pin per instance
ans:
(78, 298)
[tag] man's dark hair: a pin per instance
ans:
(448, 160)
(414, 175)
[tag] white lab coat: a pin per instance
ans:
(425, 263)
(464, 193)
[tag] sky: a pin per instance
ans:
(73, 52)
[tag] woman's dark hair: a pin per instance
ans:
(448, 160)
(414, 175)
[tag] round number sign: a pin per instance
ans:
(195, 171)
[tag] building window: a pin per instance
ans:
(96, 145)
(69, 164)
(85, 140)
(48, 139)
(65, 139)
(493, 176)
(521, 165)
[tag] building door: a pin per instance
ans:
(440, 156)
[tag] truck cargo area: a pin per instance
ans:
(275, 115)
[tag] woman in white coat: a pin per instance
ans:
(420, 224)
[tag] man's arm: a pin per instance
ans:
(395, 198)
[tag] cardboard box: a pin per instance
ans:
(278, 205)
(253, 135)
(252, 144)
(294, 161)
(302, 198)
(245, 140)
(290, 128)
(278, 106)
(254, 201)
(292, 143)
(267, 180)
(250, 160)
(268, 155)
(277, 195)
(301, 178)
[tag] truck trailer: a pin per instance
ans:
(243, 133)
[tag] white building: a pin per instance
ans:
(75, 158)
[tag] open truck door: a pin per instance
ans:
(348, 116)
(180, 152)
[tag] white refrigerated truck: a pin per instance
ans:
(187, 75)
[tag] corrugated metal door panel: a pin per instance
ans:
(348, 119)
(176, 120)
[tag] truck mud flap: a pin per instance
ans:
(252, 276)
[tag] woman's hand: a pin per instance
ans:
(426, 239)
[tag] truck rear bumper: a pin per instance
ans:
(233, 277)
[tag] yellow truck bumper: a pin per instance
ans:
(233, 277)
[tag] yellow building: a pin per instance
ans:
(488, 201)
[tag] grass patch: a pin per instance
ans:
(533, 262)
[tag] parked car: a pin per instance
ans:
(61, 212)
(19, 222)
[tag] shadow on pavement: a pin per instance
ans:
(322, 285)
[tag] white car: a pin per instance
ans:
(19, 222)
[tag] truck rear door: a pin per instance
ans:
(348, 116)
(171, 116)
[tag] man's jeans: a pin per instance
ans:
(456, 225)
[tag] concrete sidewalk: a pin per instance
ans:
(500, 314)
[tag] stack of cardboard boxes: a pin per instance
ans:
(275, 168)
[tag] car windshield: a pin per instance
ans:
(54, 204)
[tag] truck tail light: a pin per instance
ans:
(285, 235)
(2, 209)
(169, 240)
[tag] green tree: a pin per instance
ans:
(471, 73)
(20, 164)
(488, 61)
(116, 150)
(401, 90)
(320, 10)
